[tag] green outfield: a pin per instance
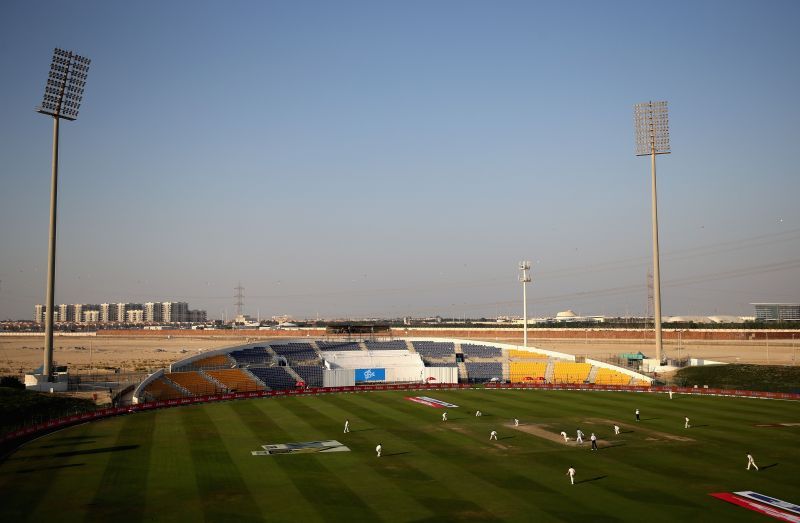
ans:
(195, 463)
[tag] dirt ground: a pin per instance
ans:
(19, 354)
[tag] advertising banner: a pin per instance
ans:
(370, 374)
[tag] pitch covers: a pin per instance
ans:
(302, 447)
(431, 402)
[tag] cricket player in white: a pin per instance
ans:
(579, 438)
(751, 461)
(686, 425)
(564, 435)
(493, 435)
(616, 429)
(637, 414)
(444, 416)
(477, 414)
(670, 394)
(516, 422)
(571, 474)
(346, 426)
(378, 449)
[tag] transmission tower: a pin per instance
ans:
(239, 296)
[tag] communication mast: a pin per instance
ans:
(239, 296)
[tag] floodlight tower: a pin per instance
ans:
(62, 99)
(525, 279)
(652, 138)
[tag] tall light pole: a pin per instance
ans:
(62, 99)
(652, 138)
(525, 279)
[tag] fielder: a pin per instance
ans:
(637, 414)
(571, 474)
(751, 461)
(346, 426)
(594, 441)
(378, 449)
(616, 429)
(564, 435)
(686, 425)
(670, 394)
(478, 414)
(516, 422)
(444, 416)
(493, 435)
(579, 438)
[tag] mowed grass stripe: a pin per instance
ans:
(440, 452)
(224, 496)
(125, 474)
(52, 464)
(359, 468)
(171, 493)
(330, 498)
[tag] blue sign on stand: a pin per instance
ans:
(370, 375)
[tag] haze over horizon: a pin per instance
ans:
(356, 159)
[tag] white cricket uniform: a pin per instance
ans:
(571, 473)
(564, 435)
(686, 425)
(347, 426)
(444, 416)
(378, 449)
(616, 429)
(751, 461)
(516, 422)
(579, 437)
(493, 435)
(477, 413)
(670, 394)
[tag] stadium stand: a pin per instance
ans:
(311, 374)
(252, 356)
(296, 353)
(194, 382)
(431, 351)
(481, 351)
(439, 363)
(520, 372)
(606, 376)
(276, 378)
(524, 355)
(235, 380)
(484, 370)
(161, 389)
(386, 345)
(339, 345)
(212, 362)
(569, 372)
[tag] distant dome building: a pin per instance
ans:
(566, 315)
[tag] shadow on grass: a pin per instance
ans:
(362, 430)
(396, 454)
(95, 451)
(68, 443)
(54, 467)
(596, 478)
(649, 419)
(698, 426)
(506, 437)
(769, 466)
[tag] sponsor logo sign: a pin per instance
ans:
(431, 402)
(370, 374)
(757, 507)
(301, 447)
(769, 500)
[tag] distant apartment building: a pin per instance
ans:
(132, 313)
(777, 311)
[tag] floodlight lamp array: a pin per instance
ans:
(64, 89)
(651, 122)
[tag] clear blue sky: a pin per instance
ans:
(400, 158)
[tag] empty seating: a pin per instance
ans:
(311, 374)
(522, 372)
(525, 355)
(569, 372)
(434, 349)
(212, 362)
(484, 370)
(338, 345)
(440, 363)
(160, 389)
(276, 378)
(194, 382)
(386, 345)
(235, 380)
(481, 351)
(252, 356)
(296, 352)
(606, 376)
